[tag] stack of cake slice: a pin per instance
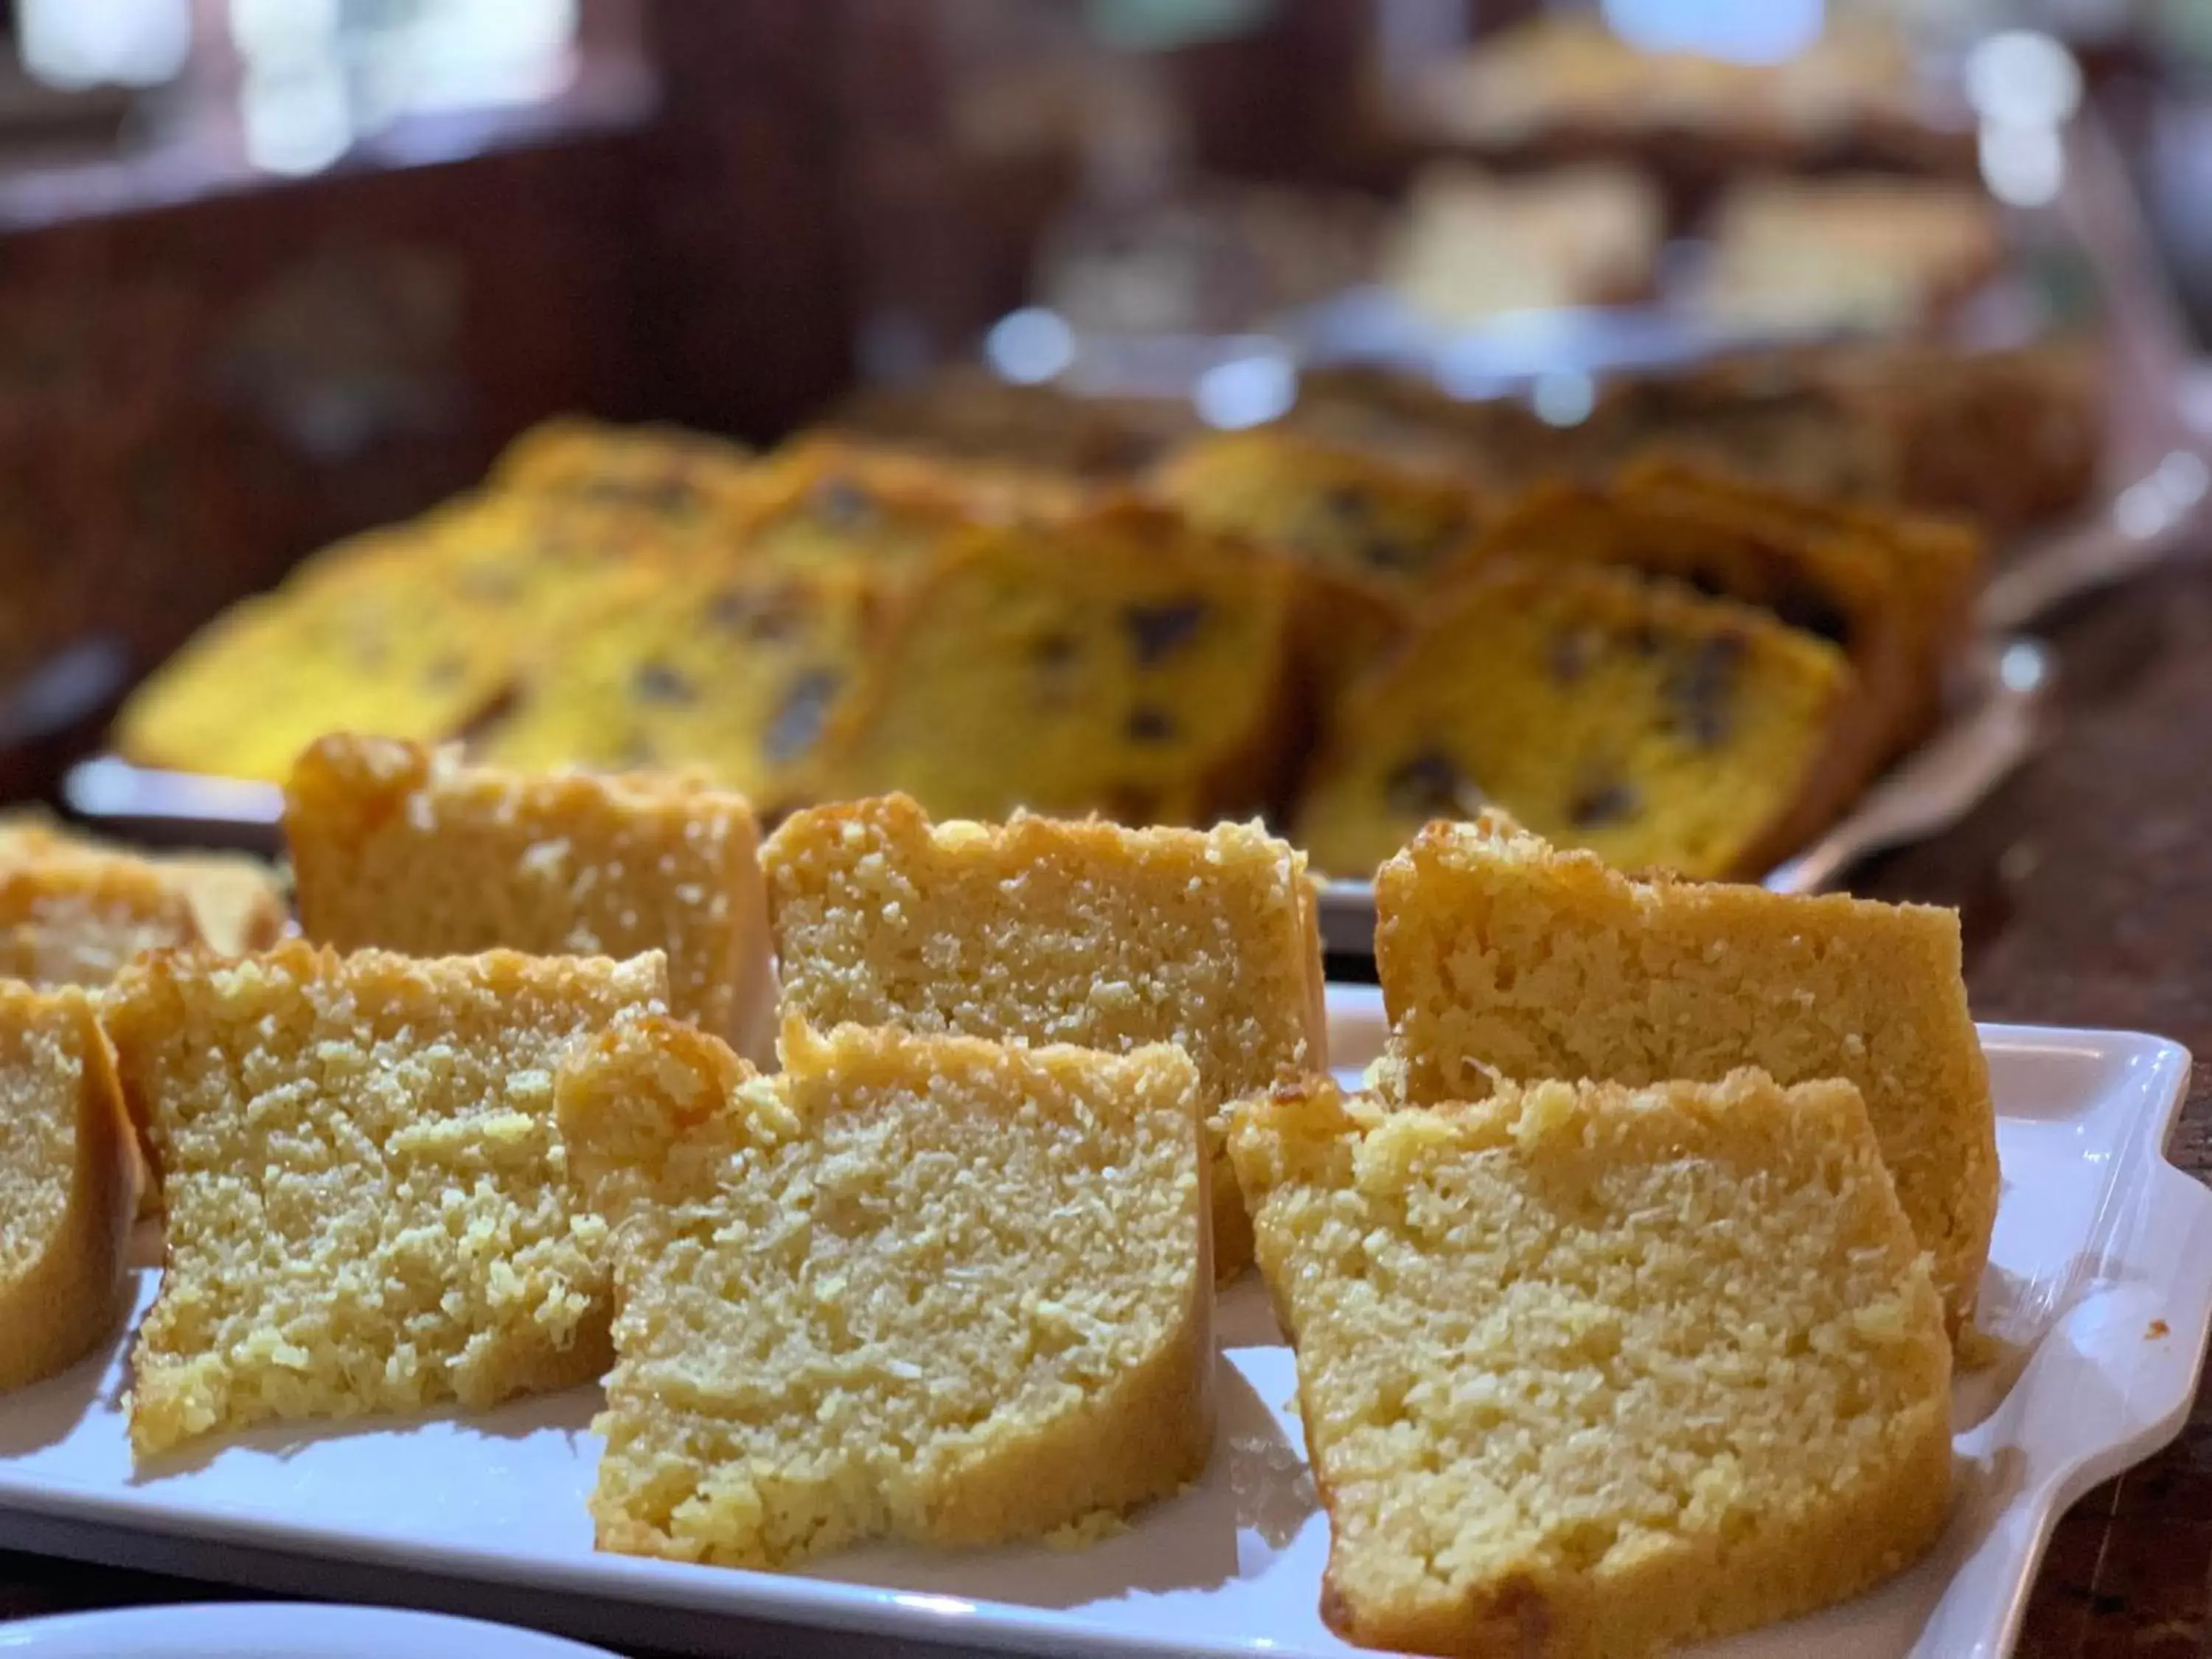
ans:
(1621, 1305)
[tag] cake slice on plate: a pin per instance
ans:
(1590, 1371)
(367, 1197)
(925, 1288)
(1501, 958)
(407, 848)
(1044, 931)
(1652, 726)
(66, 1179)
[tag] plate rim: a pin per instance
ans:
(828, 1606)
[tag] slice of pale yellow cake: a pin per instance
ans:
(1046, 930)
(1500, 956)
(1588, 1371)
(236, 901)
(66, 1183)
(928, 1288)
(367, 1198)
(408, 848)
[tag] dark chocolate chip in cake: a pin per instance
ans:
(1149, 725)
(800, 718)
(1055, 651)
(1701, 690)
(656, 682)
(1599, 803)
(1155, 630)
(1431, 786)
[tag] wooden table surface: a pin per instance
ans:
(2085, 887)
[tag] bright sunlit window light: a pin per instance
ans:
(2023, 166)
(2023, 78)
(75, 44)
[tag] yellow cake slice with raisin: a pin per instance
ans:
(1655, 727)
(1041, 930)
(925, 1288)
(1934, 563)
(733, 668)
(1827, 581)
(66, 1180)
(1368, 533)
(1590, 1371)
(1499, 955)
(368, 1196)
(1114, 661)
(400, 846)
(653, 467)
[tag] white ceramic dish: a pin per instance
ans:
(2101, 1287)
(1995, 704)
(275, 1630)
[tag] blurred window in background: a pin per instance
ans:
(166, 97)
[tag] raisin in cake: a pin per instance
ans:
(1837, 587)
(397, 846)
(66, 1175)
(1590, 1371)
(367, 1197)
(1500, 956)
(1655, 726)
(1041, 931)
(733, 670)
(927, 1288)
(1115, 661)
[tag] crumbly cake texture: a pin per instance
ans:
(1499, 955)
(1590, 1371)
(66, 1183)
(76, 920)
(367, 1197)
(1114, 661)
(407, 848)
(237, 902)
(925, 1288)
(1044, 931)
(1656, 727)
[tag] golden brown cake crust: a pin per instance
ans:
(1055, 930)
(66, 1290)
(397, 846)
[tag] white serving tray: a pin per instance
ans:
(1996, 703)
(2100, 1288)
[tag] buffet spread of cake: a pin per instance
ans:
(882, 1171)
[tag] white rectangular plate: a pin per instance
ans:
(2100, 1287)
